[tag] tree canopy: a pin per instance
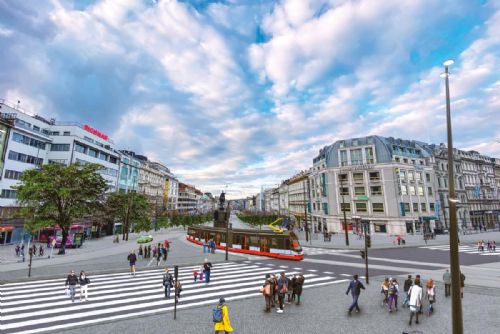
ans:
(57, 195)
(132, 209)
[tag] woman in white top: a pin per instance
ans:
(415, 294)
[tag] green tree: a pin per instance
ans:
(132, 209)
(55, 194)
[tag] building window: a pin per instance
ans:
(427, 177)
(376, 190)
(345, 207)
(80, 148)
(8, 193)
(412, 190)
(61, 162)
(410, 176)
(17, 137)
(343, 178)
(358, 178)
(356, 157)
(92, 152)
(90, 140)
(420, 191)
(103, 156)
(405, 160)
(407, 207)
(359, 191)
(429, 191)
(13, 175)
(360, 206)
(378, 207)
(397, 159)
(374, 176)
(402, 175)
(431, 207)
(343, 158)
(36, 128)
(415, 207)
(66, 133)
(59, 147)
(439, 182)
(344, 191)
(418, 176)
(325, 208)
(55, 133)
(369, 155)
(423, 207)
(113, 160)
(404, 190)
(25, 158)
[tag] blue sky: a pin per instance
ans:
(245, 93)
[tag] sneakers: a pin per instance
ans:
(279, 311)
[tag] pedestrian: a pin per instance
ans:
(407, 285)
(178, 290)
(18, 250)
(158, 256)
(84, 282)
(221, 318)
(204, 245)
(201, 273)
(297, 287)
(274, 288)
(282, 291)
(266, 291)
(398, 238)
(165, 254)
(168, 282)
(40, 251)
(384, 289)
(447, 283)
(34, 249)
(479, 246)
(420, 285)
(393, 293)
(149, 251)
(71, 282)
(462, 284)
(132, 258)
(154, 251)
(355, 287)
(290, 282)
(494, 246)
(213, 246)
(140, 253)
(431, 295)
(206, 270)
(415, 293)
(195, 274)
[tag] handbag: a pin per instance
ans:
(67, 292)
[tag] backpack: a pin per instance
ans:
(392, 290)
(284, 286)
(217, 314)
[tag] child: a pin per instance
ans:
(201, 274)
(195, 274)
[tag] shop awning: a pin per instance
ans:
(6, 228)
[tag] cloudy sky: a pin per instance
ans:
(244, 93)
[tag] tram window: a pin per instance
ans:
(274, 243)
(236, 239)
(287, 243)
(254, 241)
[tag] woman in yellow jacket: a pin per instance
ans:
(225, 325)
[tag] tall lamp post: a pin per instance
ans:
(456, 306)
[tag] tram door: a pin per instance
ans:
(244, 244)
(264, 244)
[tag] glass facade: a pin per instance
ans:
(129, 175)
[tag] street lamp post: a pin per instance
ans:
(456, 306)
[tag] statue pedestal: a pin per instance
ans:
(221, 218)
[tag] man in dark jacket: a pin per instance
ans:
(282, 290)
(71, 282)
(355, 287)
(297, 287)
(132, 258)
(168, 282)
(408, 284)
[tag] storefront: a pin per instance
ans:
(6, 234)
(11, 232)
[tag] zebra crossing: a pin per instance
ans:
(319, 251)
(42, 306)
(469, 249)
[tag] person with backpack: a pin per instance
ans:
(168, 282)
(282, 290)
(384, 289)
(297, 287)
(355, 287)
(431, 295)
(221, 318)
(132, 259)
(84, 285)
(407, 286)
(415, 294)
(266, 291)
(393, 293)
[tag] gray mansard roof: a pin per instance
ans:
(385, 149)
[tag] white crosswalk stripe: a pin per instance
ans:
(469, 249)
(319, 251)
(41, 306)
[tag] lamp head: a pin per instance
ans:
(448, 62)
